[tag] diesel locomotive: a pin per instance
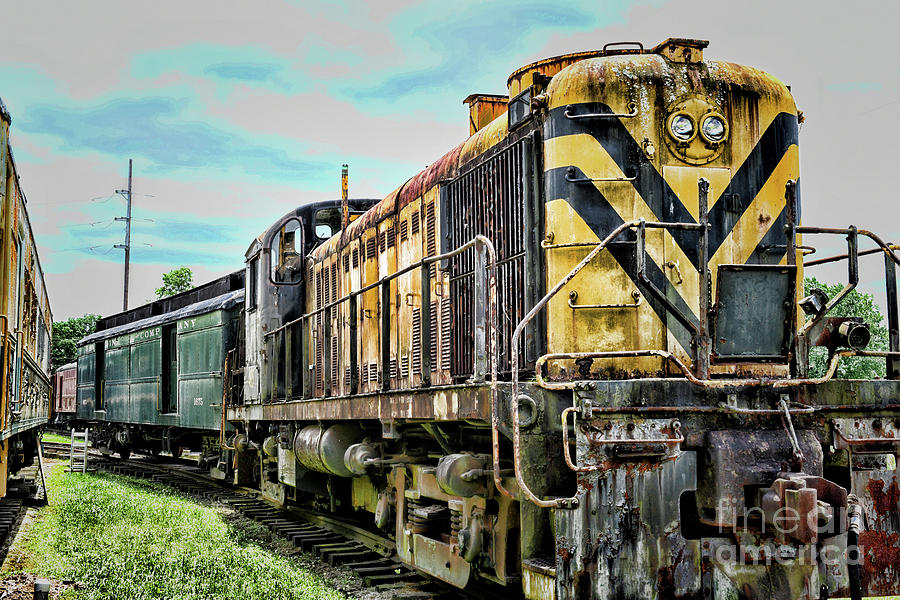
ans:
(570, 358)
(26, 322)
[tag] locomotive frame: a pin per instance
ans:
(436, 388)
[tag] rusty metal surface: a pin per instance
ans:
(441, 404)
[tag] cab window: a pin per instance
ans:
(327, 223)
(286, 252)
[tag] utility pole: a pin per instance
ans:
(127, 244)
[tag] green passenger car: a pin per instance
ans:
(155, 383)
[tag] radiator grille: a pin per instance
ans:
(488, 200)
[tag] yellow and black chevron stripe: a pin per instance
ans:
(747, 217)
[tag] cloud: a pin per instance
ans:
(243, 71)
(155, 128)
(855, 86)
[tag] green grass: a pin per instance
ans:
(55, 437)
(125, 539)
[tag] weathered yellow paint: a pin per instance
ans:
(683, 181)
(587, 154)
(759, 217)
(602, 281)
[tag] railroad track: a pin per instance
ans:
(21, 492)
(337, 543)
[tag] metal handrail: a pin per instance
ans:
(706, 383)
(697, 333)
(488, 246)
(891, 260)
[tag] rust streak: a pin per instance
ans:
(881, 552)
(884, 501)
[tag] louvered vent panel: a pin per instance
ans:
(431, 231)
(346, 263)
(404, 366)
(334, 290)
(446, 324)
(392, 236)
(374, 372)
(404, 230)
(327, 292)
(320, 362)
(393, 368)
(434, 336)
(417, 340)
(334, 364)
(347, 373)
(370, 248)
(356, 258)
(414, 223)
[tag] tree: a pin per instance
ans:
(66, 334)
(175, 281)
(855, 304)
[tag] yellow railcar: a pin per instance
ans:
(25, 324)
(571, 356)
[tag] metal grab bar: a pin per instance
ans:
(631, 105)
(571, 178)
(638, 300)
(830, 259)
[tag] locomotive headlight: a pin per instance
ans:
(682, 127)
(714, 129)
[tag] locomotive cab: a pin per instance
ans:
(275, 292)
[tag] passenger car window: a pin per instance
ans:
(286, 253)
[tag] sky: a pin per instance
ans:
(236, 112)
